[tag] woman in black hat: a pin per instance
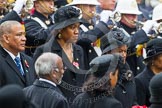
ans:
(153, 66)
(98, 89)
(66, 30)
(155, 88)
(116, 41)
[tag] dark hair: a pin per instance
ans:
(96, 85)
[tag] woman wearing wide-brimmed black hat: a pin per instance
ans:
(153, 66)
(117, 41)
(98, 89)
(66, 30)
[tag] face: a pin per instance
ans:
(3, 4)
(128, 19)
(15, 41)
(45, 6)
(107, 4)
(122, 50)
(157, 63)
(59, 73)
(70, 33)
(114, 78)
(88, 11)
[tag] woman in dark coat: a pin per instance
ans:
(153, 66)
(66, 31)
(99, 86)
(116, 41)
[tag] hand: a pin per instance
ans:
(148, 25)
(104, 15)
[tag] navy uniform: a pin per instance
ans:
(87, 37)
(38, 30)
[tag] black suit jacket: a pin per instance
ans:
(45, 95)
(9, 73)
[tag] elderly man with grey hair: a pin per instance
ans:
(44, 91)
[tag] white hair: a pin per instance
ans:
(46, 63)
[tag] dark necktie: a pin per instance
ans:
(18, 63)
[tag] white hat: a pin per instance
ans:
(157, 15)
(127, 7)
(88, 2)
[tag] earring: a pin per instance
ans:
(59, 36)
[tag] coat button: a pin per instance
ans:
(90, 51)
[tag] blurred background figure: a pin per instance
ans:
(153, 66)
(38, 25)
(155, 87)
(44, 92)
(12, 96)
(146, 14)
(3, 8)
(128, 21)
(98, 89)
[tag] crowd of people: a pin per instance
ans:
(80, 54)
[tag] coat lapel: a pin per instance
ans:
(12, 64)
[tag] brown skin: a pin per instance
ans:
(156, 66)
(15, 41)
(114, 78)
(69, 35)
(122, 50)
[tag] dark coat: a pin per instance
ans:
(126, 94)
(11, 16)
(86, 100)
(73, 77)
(9, 73)
(125, 90)
(45, 95)
(142, 81)
(87, 37)
(36, 34)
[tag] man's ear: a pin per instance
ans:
(6, 38)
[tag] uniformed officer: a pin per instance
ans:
(89, 31)
(38, 26)
(129, 15)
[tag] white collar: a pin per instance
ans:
(48, 81)
(12, 55)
